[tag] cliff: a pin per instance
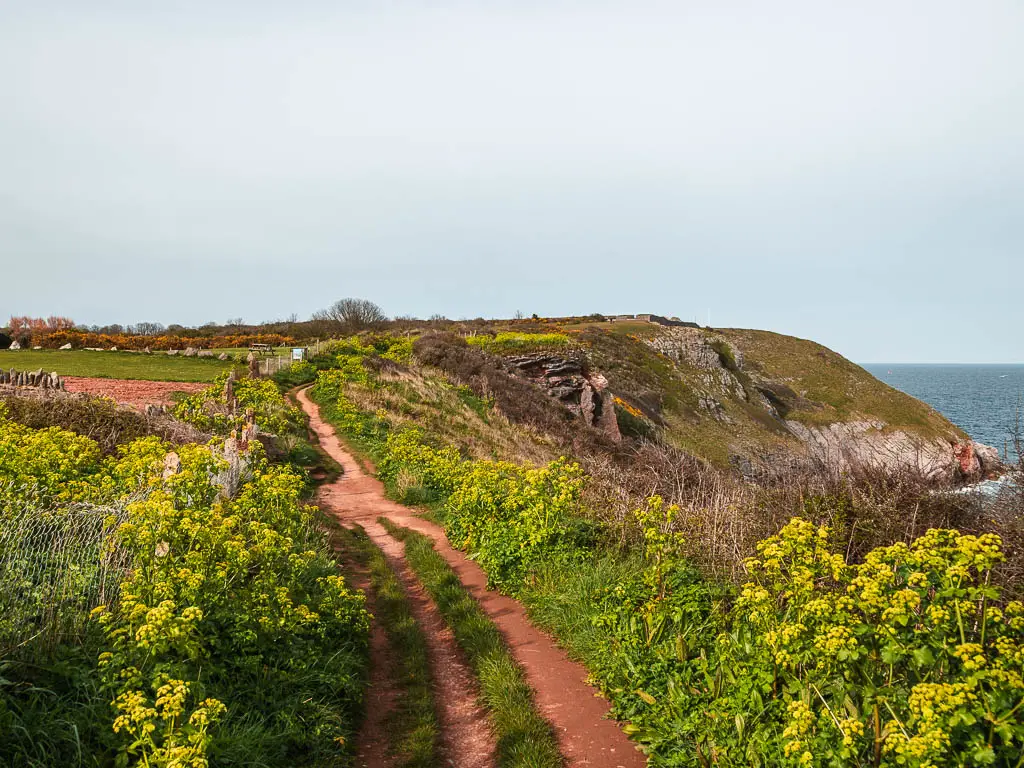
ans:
(765, 403)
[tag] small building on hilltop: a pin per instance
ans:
(656, 319)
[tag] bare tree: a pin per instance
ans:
(351, 315)
(149, 329)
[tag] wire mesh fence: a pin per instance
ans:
(55, 567)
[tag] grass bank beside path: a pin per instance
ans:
(525, 739)
(158, 366)
(413, 731)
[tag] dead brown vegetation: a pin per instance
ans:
(97, 418)
(519, 401)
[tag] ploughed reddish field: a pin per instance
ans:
(132, 392)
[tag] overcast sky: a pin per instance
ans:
(847, 172)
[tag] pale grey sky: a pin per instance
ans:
(847, 172)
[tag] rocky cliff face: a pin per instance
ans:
(844, 446)
(762, 403)
(821, 433)
(570, 381)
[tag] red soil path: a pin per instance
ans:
(579, 716)
(130, 392)
(466, 737)
(373, 746)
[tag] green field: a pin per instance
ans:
(115, 365)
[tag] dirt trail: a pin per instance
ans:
(466, 738)
(372, 745)
(579, 716)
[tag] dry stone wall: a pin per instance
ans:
(39, 379)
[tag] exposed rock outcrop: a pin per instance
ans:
(571, 382)
(721, 380)
(845, 446)
(720, 365)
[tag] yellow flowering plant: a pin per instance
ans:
(217, 609)
(906, 659)
(208, 409)
(222, 591)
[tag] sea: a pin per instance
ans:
(983, 400)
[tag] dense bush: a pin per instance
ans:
(228, 636)
(508, 341)
(100, 419)
(83, 339)
(210, 411)
(519, 400)
(295, 375)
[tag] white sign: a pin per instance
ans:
(298, 353)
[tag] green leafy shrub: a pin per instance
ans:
(295, 375)
(903, 660)
(208, 409)
(229, 616)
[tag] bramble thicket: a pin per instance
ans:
(909, 657)
(187, 628)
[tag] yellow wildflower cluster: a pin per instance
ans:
(508, 341)
(846, 640)
(208, 409)
(214, 587)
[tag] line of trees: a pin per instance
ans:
(345, 316)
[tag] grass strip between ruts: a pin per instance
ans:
(413, 731)
(525, 739)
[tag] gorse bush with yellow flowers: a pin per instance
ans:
(231, 637)
(510, 341)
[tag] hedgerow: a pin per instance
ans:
(83, 339)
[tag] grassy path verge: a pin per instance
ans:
(412, 732)
(525, 739)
